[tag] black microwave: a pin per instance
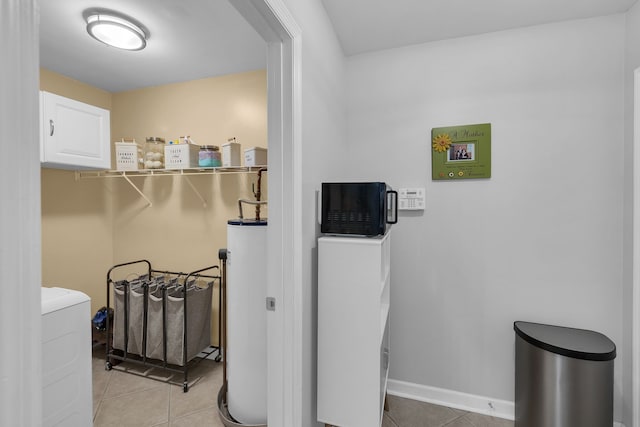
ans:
(358, 208)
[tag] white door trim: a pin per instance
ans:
(635, 327)
(20, 242)
(19, 386)
(274, 23)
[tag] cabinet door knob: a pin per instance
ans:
(51, 127)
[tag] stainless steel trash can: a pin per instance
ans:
(563, 378)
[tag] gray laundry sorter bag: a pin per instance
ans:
(154, 324)
(198, 322)
(136, 312)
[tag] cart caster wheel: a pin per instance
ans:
(218, 359)
(108, 366)
(185, 387)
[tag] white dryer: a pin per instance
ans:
(67, 399)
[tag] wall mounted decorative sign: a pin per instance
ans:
(461, 152)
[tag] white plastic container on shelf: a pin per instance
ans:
(127, 155)
(181, 156)
(231, 154)
(255, 156)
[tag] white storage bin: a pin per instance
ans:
(127, 155)
(255, 156)
(231, 155)
(181, 156)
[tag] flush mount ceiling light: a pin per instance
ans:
(116, 31)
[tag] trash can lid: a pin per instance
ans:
(570, 342)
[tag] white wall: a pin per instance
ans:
(632, 60)
(323, 136)
(20, 279)
(542, 239)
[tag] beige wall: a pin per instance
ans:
(65, 86)
(210, 110)
(177, 233)
(77, 239)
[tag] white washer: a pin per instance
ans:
(67, 399)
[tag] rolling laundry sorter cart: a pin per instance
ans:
(353, 329)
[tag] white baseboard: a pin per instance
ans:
(455, 399)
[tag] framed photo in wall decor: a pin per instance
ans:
(461, 152)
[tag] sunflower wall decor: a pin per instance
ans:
(461, 152)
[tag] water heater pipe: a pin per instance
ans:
(250, 202)
(222, 255)
(258, 194)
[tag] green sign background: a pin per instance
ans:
(468, 156)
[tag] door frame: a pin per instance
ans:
(635, 326)
(272, 20)
(275, 24)
(20, 246)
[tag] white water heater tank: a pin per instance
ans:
(247, 321)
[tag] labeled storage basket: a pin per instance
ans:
(181, 156)
(128, 155)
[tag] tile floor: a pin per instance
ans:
(123, 399)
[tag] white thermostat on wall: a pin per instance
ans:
(411, 199)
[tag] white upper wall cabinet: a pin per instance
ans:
(73, 135)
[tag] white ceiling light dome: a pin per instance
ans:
(116, 31)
